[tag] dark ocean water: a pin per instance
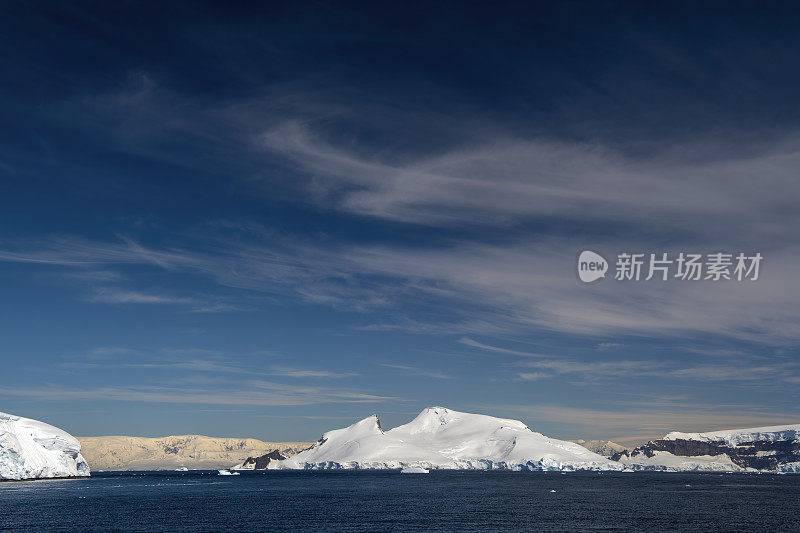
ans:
(389, 501)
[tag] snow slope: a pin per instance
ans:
(30, 449)
(439, 438)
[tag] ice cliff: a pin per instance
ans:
(30, 449)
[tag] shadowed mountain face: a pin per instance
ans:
(260, 463)
(190, 451)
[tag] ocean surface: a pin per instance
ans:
(390, 501)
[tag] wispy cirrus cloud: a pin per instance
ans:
(557, 196)
(489, 287)
(533, 376)
(634, 426)
(416, 371)
(777, 371)
(167, 361)
(308, 373)
(113, 295)
(497, 349)
(253, 393)
(119, 296)
(506, 180)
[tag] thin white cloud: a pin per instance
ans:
(255, 393)
(418, 371)
(506, 180)
(308, 373)
(118, 296)
(533, 376)
(633, 426)
(475, 344)
(487, 288)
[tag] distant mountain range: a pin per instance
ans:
(438, 438)
(195, 452)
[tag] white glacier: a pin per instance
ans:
(734, 437)
(30, 449)
(439, 438)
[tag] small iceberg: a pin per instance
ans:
(182, 469)
(414, 470)
(552, 490)
(227, 473)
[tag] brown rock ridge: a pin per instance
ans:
(195, 452)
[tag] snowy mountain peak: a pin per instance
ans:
(440, 420)
(363, 428)
(429, 420)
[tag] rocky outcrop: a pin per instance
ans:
(261, 462)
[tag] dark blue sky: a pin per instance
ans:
(269, 220)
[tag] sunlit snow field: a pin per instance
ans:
(390, 501)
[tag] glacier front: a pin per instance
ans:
(30, 449)
(439, 438)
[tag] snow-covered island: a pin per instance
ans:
(30, 449)
(439, 438)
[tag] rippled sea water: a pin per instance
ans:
(390, 501)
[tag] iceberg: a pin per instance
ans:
(30, 449)
(440, 438)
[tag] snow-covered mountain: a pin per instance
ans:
(774, 448)
(439, 438)
(30, 449)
